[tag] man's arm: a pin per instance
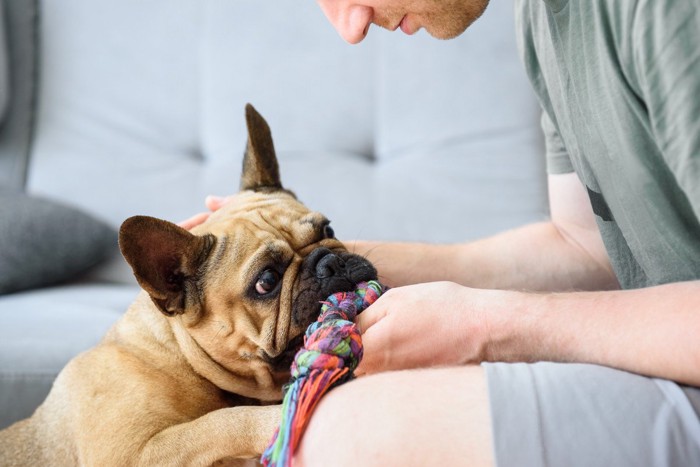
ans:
(650, 331)
(565, 253)
(653, 331)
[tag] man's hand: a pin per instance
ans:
(426, 325)
(212, 203)
(651, 331)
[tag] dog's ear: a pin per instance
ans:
(166, 260)
(260, 169)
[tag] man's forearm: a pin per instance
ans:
(536, 257)
(653, 331)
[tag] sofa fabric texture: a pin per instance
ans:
(137, 108)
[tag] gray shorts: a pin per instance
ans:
(549, 414)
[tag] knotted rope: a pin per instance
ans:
(332, 350)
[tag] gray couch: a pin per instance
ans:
(112, 108)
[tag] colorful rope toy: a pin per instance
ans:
(332, 350)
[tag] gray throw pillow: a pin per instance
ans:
(43, 242)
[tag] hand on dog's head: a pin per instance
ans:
(242, 287)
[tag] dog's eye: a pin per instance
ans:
(328, 231)
(267, 282)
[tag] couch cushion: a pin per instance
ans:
(447, 194)
(43, 242)
(157, 140)
(380, 115)
(316, 92)
(40, 331)
(435, 93)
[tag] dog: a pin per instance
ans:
(193, 372)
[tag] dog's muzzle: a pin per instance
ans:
(338, 272)
(323, 273)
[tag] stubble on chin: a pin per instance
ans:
(450, 22)
(444, 19)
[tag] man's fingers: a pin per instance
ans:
(370, 317)
(214, 203)
(194, 221)
(370, 341)
(367, 364)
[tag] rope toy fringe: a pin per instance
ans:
(332, 350)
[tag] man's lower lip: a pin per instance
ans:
(404, 26)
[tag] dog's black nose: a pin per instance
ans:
(328, 264)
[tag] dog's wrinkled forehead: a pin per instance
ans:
(278, 214)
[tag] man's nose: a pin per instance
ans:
(352, 22)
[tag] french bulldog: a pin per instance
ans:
(193, 372)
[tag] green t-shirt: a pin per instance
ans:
(619, 85)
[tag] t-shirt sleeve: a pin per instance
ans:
(526, 17)
(558, 160)
(667, 63)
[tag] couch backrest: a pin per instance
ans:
(140, 111)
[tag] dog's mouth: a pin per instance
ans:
(283, 362)
(323, 273)
(348, 271)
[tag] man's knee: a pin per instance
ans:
(402, 418)
(332, 430)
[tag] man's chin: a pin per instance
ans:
(451, 31)
(444, 35)
(452, 24)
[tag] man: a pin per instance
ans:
(607, 291)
